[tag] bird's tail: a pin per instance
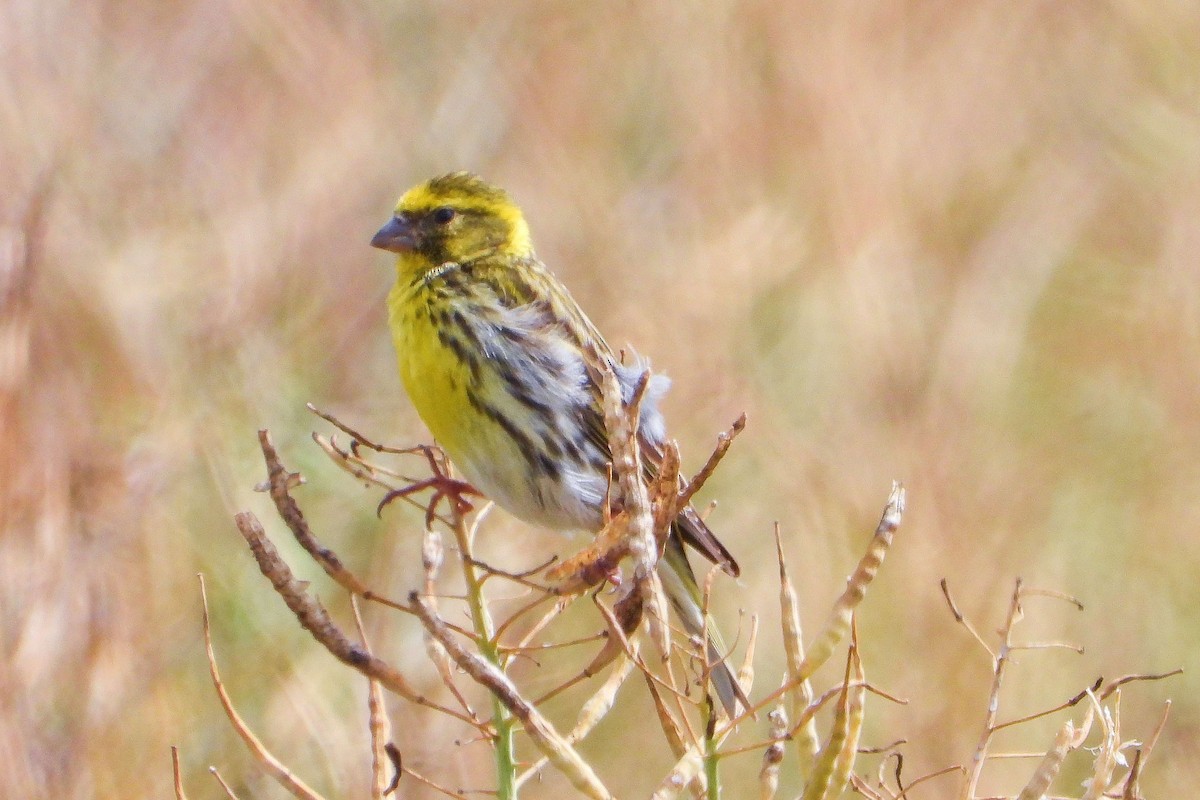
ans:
(679, 583)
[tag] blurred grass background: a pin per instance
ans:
(951, 243)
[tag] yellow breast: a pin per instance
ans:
(506, 432)
(434, 376)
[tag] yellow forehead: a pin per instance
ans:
(466, 192)
(462, 190)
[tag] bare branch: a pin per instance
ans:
(177, 774)
(225, 787)
(961, 619)
(378, 724)
(280, 482)
(272, 765)
(1037, 715)
(316, 620)
(724, 440)
(1119, 682)
(544, 736)
(993, 705)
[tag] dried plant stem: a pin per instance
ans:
(809, 712)
(279, 483)
(368, 473)
(868, 791)
(316, 620)
(377, 721)
(594, 710)
(419, 778)
(1132, 791)
(432, 557)
(1158, 729)
(177, 774)
(925, 778)
(552, 744)
(225, 787)
(636, 527)
(724, 440)
(1114, 685)
(621, 423)
(688, 766)
(993, 707)
(961, 618)
(1038, 714)
(272, 765)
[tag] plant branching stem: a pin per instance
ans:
(506, 766)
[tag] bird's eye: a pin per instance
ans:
(443, 215)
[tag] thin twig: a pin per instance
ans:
(866, 790)
(961, 619)
(378, 724)
(724, 440)
(1034, 591)
(943, 771)
(1119, 682)
(223, 784)
(177, 774)
(316, 620)
(1037, 715)
(999, 662)
(1158, 729)
(1075, 648)
(272, 765)
(419, 778)
(346, 429)
(369, 473)
(1131, 789)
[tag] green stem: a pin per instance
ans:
(506, 765)
(711, 775)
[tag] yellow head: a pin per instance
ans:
(454, 218)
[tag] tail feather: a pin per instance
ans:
(679, 583)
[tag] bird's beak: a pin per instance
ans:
(398, 235)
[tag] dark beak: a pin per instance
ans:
(398, 235)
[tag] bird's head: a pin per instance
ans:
(454, 218)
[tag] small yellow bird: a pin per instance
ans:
(492, 353)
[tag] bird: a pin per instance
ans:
(494, 353)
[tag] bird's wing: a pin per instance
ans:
(690, 528)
